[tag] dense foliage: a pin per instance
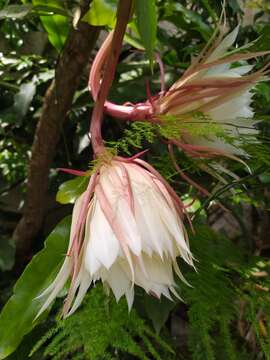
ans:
(225, 313)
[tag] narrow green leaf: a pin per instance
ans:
(17, 316)
(56, 26)
(24, 97)
(57, 29)
(15, 11)
(7, 254)
(101, 13)
(70, 190)
(158, 310)
(49, 10)
(146, 15)
(187, 19)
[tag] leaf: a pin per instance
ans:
(84, 142)
(187, 19)
(20, 11)
(7, 254)
(146, 14)
(24, 97)
(17, 316)
(132, 37)
(57, 29)
(70, 190)
(15, 11)
(57, 26)
(22, 100)
(158, 310)
(101, 13)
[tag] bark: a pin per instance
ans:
(57, 103)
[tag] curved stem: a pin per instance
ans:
(140, 111)
(123, 13)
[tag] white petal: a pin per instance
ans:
(127, 221)
(173, 225)
(102, 247)
(130, 297)
(237, 107)
(84, 285)
(157, 271)
(63, 272)
(175, 293)
(57, 285)
(154, 234)
(91, 262)
(225, 44)
(123, 213)
(117, 280)
(180, 275)
(75, 216)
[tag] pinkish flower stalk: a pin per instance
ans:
(126, 230)
(123, 13)
(123, 112)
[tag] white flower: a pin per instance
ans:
(222, 93)
(126, 229)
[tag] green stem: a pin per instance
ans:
(123, 14)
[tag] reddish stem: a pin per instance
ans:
(123, 13)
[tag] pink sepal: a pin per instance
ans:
(130, 159)
(73, 172)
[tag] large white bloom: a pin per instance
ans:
(221, 92)
(126, 229)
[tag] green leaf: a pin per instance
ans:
(158, 310)
(57, 29)
(20, 11)
(7, 254)
(146, 14)
(22, 101)
(15, 11)
(56, 26)
(101, 13)
(133, 37)
(70, 190)
(49, 10)
(187, 19)
(17, 316)
(24, 97)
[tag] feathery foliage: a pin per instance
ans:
(103, 329)
(225, 281)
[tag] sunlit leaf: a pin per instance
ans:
(7, 254)
(70, 190)
(17, 316)
(15, 11)
(101, 12)
(57, 26)
(146, 14)
(22, 101)
(23, 98)
(183, 17)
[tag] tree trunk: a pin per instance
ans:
(57, 103)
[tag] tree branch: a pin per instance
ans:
(57, 103)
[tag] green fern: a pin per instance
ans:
(136, 136)
(103, 329)
(195, 124)
(225, 277)
(211, 299)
